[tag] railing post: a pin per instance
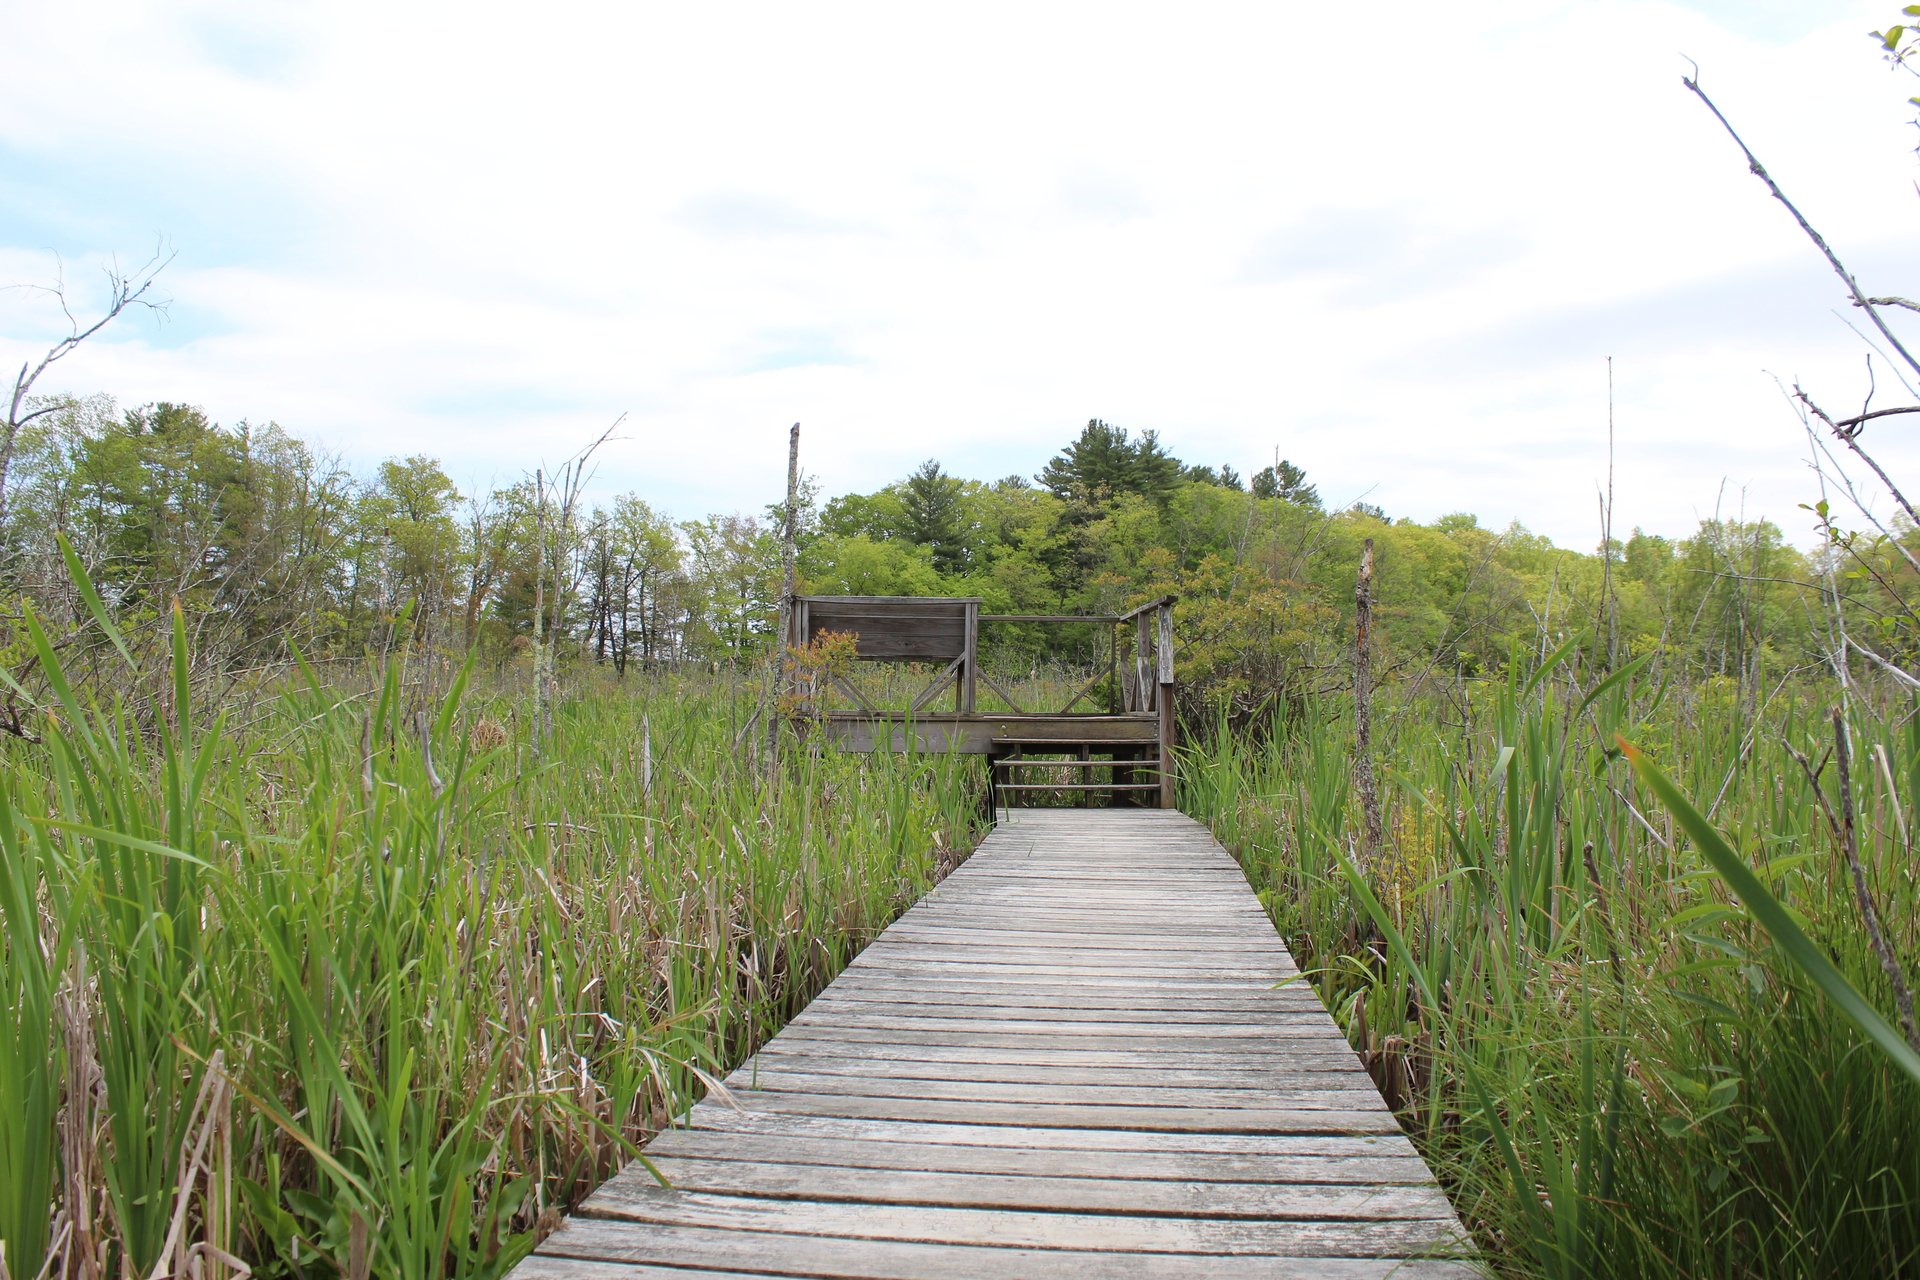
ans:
(1165, 656)
(964, 693)
(1113, 669)
(1142, 674)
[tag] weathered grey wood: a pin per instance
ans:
(1085, 1054)
(717, 1119)
(973, 1062)
(1142, 1092)
(1303, 1236)
(589, 1239)
(974, 734)
(1277, 1118)
(857, 1036)
(1056, 1191)
(769, 1069)
(1191, 1166)
(967, 695)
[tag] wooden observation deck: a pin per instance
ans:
(1121, 751)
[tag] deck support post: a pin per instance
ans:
(1167, 730)
(964, 694)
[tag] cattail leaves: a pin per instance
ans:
(446, 993)
(1615, 1069)
(1780, 923)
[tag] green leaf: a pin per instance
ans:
(1775, 918)
(1624, 673)
(117, 838)
(1553, 660)
(78, 572)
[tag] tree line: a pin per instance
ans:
(272, 547)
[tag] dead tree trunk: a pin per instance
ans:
(1364, 783)
(789, 583)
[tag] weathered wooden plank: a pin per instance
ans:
(708, 1116)
(1141, 1062)
(1068, 1115)
(805, 1254)
(1037, 997)
(1056, 1192)
(1012, 989)
(870, 1151)
(1085, 1054)
(1274, 1026)
(1003, 1008)
(974, 735)
(1219, 952)
(555, 1267)
(1149, 1092)
(1242, 1076)
(1120, 1233)
(1248, 1042)
(1066, 968)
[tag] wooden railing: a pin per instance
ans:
(946, 631)
(1133, 687)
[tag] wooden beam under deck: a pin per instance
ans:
(974, 735)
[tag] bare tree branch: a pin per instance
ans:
(1848, 438)
(1854, 422)
(1759, 171)
(126, 289)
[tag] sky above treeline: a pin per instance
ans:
(1396, 245)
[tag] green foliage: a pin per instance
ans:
(1104, 463)
(1284, 480)
(421, 988)
(1901, 42)
(933, 515)
(1618, 1067)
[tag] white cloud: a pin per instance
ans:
(1399, 254)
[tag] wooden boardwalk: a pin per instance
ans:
(1068, 1060)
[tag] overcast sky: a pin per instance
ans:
(1397, 253)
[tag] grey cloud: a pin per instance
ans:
(1375, 253)
(1778, 306)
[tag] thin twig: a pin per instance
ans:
(1848, 438)
(1759, 171)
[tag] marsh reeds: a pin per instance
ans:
(361, 989)
(1617, 1068)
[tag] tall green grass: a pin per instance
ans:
(1615, 1069)
(359, 988)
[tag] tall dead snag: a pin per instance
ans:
(553, 541)
(539, 610)
(1363, 780)
(789, 584)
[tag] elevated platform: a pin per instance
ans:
(1068, 1060)
(1123, 754)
